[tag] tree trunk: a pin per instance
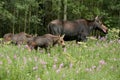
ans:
(118, 25)
(65, 10)
(59, 10)
(29, 19)
(13, 25)
(36, 25)
(25, 21)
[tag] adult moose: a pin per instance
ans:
(76, 30)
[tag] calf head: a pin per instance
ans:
(60, 40)
(8, 37)
(30, 45)
(100, 25)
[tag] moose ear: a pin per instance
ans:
(63, 36)
(58, 35)
(96, 18)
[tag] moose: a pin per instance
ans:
(7, 37)
(76, 30)
(19, 38)
(46, 41)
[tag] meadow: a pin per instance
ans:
(92, 60)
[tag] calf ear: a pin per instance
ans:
(58, 35)
(63, 36)
(97, 18)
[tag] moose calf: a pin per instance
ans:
(46, 41)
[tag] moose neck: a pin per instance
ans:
(91, 26)
(55, 39)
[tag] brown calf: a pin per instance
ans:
(45, 41)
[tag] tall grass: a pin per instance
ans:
(93, 60)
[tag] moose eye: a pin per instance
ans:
(61, 41)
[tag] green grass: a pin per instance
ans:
(93, 60)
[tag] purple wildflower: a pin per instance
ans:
(15, 56)
(54, 66)
(103, 38)
(26, 46)
(71, 65)
(119, 41)
(102, 62)
(61, 65)
(1, 62)
(43, 62)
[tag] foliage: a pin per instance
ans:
(32, 16)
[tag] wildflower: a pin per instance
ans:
(88, 69)
(99, 67)
(77, 71)
(26, 46)
(102, 62)
(29, 59)
(25, 60)
(54, 66)
(93, 67)
(8, 71)
(38, 79)
(112, 67)
(9, 60)
(103, 38)
(55, 60)
(35, 68)
(63, 75)
(1, 62)
(71, 65)
(47, 72)
(44, 66)
(43, 62)
(61, 65)
(19, 45)
(111, 42)
(64, 49)
(35, 58)
(48, 54)
(118, 41)
(1, 55)
(15, 56)
(58, 70)
(114, 59)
